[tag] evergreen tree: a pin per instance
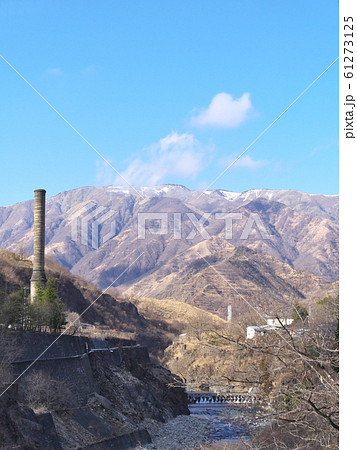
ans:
(47, 310)
(45, 313)
(14, 309)
(299, 312)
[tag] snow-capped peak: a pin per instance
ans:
(160, 189)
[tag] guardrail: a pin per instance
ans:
(57, 358)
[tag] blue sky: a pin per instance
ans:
(168, 92)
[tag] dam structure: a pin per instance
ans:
(212, 397)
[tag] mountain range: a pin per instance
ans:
(291, 237)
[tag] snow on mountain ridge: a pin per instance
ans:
(147, 190)
(251, 194)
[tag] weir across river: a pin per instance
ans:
(212, 397)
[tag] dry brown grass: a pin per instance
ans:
(7, 255)
(171, 311)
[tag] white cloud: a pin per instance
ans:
(250, 163)
(175, 155)
(224, 111)
(244, 161)
(55, 71)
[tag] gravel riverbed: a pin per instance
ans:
(180, 433)
(199, 431)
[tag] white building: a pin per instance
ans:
(279, 322)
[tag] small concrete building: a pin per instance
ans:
(256, 330)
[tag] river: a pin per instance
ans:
(210, 425)
(230, 422)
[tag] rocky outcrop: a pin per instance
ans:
(21, 428)
(109, 394)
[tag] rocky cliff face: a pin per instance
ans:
(107, 399)
(21, 428)
(79, 395)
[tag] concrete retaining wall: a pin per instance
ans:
(61, 363)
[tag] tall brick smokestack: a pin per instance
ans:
(38, 272)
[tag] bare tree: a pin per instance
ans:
(294, 367)
(40, 391)
(73, 321)
(297, 372)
